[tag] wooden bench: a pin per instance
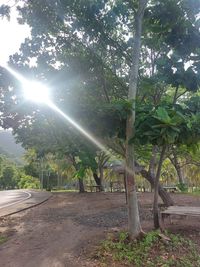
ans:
(171, 189)
(95, 188)
(180, 211)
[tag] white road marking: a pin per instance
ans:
(19, 201)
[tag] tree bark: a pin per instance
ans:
(80, 181)
(81, 185)
(177, 166)
(156, 185)
(166, 198)
(58, 180)
(97, 179)
(133, 212)
(101, 178)
(102, 159)
(152, 164)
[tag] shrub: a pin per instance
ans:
(183, 187)
(27, 181)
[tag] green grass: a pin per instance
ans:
(64, 190)
(195, 193)
(151, 251)
(3, 239)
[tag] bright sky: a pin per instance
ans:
(12, 34)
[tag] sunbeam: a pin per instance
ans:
(33, 90)
(39, 93)
(44, 98)
(77, 126)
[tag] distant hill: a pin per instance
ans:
(9, 148)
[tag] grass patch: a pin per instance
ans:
(151, 251)
(64, 190)
(3, 239)
(195, 193)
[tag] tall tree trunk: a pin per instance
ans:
(177, 166)
(101, 178)
(133, 212)
(97, 179)
(102, 159)
(81, 185)
(153, 164)
(42, 173)
(58, 180)
(80, 181)
(166, 198)
(156, 185)
(180, 175)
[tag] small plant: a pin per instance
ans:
(3, 239)
(151, 251)
(123, 236)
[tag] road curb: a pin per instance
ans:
(29, 206)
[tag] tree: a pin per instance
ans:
(133, 213)
(8, 176)
(83, 48)
(175, 161)
(164, 127)
(102, 158)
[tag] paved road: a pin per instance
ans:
(12, 201)
(13, 197)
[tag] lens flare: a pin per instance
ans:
(41, 95)
(77, 126)
(37, 92)
(33, 90)
(16, 74)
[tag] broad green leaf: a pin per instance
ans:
(162, 115)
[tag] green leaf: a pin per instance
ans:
(162, 115)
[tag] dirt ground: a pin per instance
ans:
(64, 231)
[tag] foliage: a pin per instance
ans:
(5, 11)
(13, 176)
(150, 251)
(167, 124)
(8, 173)
(8, 177)
(168, 175)
(27, 181)
(104, 46)
(183, 187)
(94, 65)
(192, 172)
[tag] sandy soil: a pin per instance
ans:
(65, 230)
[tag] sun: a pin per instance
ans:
(36, 91)
(32, 90)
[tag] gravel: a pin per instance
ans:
(113, 218)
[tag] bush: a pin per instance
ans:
(182, 187)
(27, 181)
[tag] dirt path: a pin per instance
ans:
(59, 232)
